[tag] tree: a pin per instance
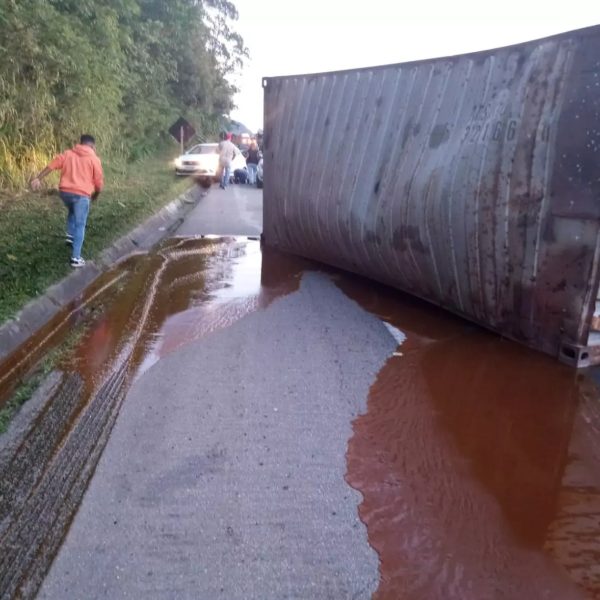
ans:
(121, 69)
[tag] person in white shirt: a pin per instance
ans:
(227, 154)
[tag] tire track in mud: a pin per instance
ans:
(35, 533)
(22, 466)
(44, 481)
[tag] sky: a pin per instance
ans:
(288, 37)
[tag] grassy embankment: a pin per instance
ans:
(33, 254)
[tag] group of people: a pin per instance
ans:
(228, 152)
(81, 181)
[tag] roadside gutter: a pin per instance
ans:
(38, 312)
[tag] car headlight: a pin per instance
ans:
(177, 162)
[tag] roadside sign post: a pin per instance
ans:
(183, 132)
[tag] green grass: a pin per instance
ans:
(33, 254)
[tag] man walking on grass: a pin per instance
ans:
(81, 179)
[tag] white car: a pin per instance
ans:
(202, 161)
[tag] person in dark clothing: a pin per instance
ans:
(252, 162)
(240, 176)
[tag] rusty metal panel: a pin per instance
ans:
(471, 181)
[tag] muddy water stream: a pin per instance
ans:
(478, 460)
(151, 304)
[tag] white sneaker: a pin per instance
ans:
(77, 262)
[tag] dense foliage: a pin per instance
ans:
(122, 70)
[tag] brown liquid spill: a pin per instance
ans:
(18, 364)
(478, 461)
(152, 304)
(237, 278)
(574, 533)
(206, 282)
(187, 289)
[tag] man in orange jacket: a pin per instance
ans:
(81, 179)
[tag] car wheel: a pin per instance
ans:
(259, 183)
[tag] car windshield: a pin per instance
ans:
(203, 149)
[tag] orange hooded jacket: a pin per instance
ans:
(81, 170)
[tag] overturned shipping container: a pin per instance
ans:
(471, 181)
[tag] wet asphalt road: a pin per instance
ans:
(234, 211)
(224, 474)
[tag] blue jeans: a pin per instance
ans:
(78, 208)
(225, 176)
(252, 167)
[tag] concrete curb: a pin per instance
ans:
(40, 311)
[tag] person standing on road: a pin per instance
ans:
(227, 154)
(252, 162)
(81, 179)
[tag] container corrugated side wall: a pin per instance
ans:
(471, 181)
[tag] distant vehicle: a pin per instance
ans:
(202, 161)
(259, 174)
